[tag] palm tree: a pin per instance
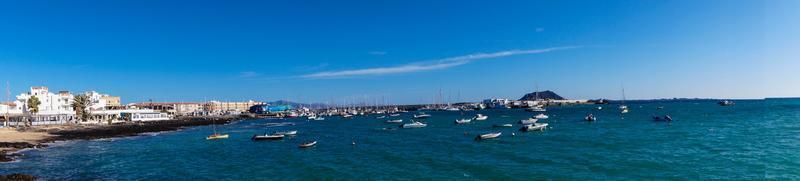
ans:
(33, 107)
(80, 105)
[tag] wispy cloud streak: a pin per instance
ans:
(431, 65)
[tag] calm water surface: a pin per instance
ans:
(751, 140)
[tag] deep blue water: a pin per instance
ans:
(751, 140)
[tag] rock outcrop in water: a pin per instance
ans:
(542, 95)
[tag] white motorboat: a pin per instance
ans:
(624, 111)
(536, 109)
(287, 133)
(481, 117)
(268, 137)
(394, 121)
(452, 109)
(307, 144)
(318, 119)
(414, 125)
(503, 125)
(381, 117)
(528, 121)
(347, 116)
(534, 127)
(599, 107)
(422, 116)
(463, 121)
(488, 136)
(541, 116)
(394, 115)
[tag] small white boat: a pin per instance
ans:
(536, 109)
(534, 127)
(463, 121)
(541, 116)
(312, 117)
(528, 121)
(414, 125)
(452, 109)
(599, 107)
(381, 117)
(347, 116)
(481, 117)
(319, 119)
(268, 137)
(503, 125)
(394, 121)
(488, 136)
(422, 116)
(217, 136)
(394, 115)
(590, 117)
(307, 144)
(624, 111)
(287, 133)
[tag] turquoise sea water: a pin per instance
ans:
(751, 140)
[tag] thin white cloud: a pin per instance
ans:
(430, 65)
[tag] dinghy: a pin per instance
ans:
(502, 125)
(307, 144)
(534, 127)
(528, 121)
(488, 136)
(394, 121)
(481, 117)
(287, 133)
(463, 121)
(414, 125)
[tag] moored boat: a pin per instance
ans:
(534, 127)
(503, 125)
(463, 121)
(394, 121)
(414, 124)
(726, 103)
(287, 133)
(422, 116)
(488, 136)
(528, 121)
(590, 117)
(381, 117)
(307, 144)
(481, 117)
(267, 137)
(394, 115)
(217, 136)
(536, 109)
(541, 116)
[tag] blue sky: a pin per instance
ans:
(402, 51)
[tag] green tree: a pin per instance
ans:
(80, 104)
(33, 107)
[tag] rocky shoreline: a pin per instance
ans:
(79, 132)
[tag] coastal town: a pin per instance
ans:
(41, 107)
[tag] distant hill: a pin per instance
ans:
(542, 95)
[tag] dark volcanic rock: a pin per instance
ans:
(542, 95)
(17, 176)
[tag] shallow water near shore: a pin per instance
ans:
(751, 140)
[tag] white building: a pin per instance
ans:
(50, 103)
